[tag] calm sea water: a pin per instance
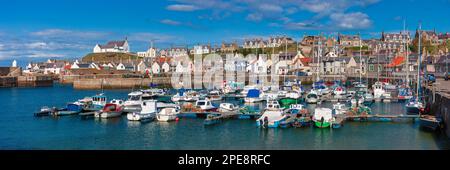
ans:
(19, 129)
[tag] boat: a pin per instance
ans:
(273, 105)
(389, 86)
(339, 91)
(205, 105)
(168, 114)
(45, 111)
(271, 118)
(387, 98)
(312, 98)
(414, 106)
(287, 102)
(212, 119)
(339, 109)
(322, 117)
(430, 122)
(71, 109)
(111, 110)
(253, 96)
(228, 107)
(147, 112)
(154, 92)
(246, 89)
(378, 91)
(404, 93)
(368, 99)
(215, 95)
(134, 101)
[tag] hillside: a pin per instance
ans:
(110, 57)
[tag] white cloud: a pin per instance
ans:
(148, 37)
(182, 7)
(170, 22)
(61, 33)
(350, 21)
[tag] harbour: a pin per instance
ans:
(73, 132)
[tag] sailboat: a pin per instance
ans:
(414, 106)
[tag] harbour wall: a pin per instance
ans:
(438, 96)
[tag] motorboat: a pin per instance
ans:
(287, 102)
(273, 105)
(253, 96)
(368, 98)
(339, 109)
(111, 110)
(312, 98)
(293, 95)
(430, 122)
(405, 93)
(414, 106)
(147, 112)
(228, 107)
(71, 109)
(134, 101)
(387, 98)
(246, 89)
(45, 111)
(154, 92)
(389, 86)
(205, 105)
(271, 118)
(322, 117)
(215, 95)
(339, 91)
(168, 114)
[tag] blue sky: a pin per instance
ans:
(32, 30)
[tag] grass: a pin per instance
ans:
(110, 57)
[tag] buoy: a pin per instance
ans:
(177, 119)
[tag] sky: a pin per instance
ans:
(67, 29)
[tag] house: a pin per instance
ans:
(141, 67)
(282, 67)
(443, 38)
(254, 43)
(428, 36)
(349, 40)
(177, 52)
(150, 53)
(113, 46)
(402, 37)
(94, 66)
(165, 67)
(278, 41)
(442, 65)
(229, 47)
(120, 66)
(54, 68)
(201, 49)
(156, 69)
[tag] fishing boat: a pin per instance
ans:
(215, 95)
(147, 112)
(322, 117)
(287, 102)
(253, 96)
(339, 109)
(378, 91)
(205, 105)
(134, 101)
(271, 118)
(71, 109)
(168, 114)
(430, 122)
(111, 110)
(312, 98)
(404, 93)
(228, 107)
(273, 105)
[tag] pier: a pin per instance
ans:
(439, 96)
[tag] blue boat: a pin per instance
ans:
(71, 109)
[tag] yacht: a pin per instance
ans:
(215, 95)
(205, 105)
(134, 101)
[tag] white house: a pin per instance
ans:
(282, 67)
(141, 67)
(94, 66)
(165, 68)
(120, 66)
(201, 49)
(113, 46)
(150, 53)
(14, 63)
(156, 69)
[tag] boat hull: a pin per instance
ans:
(166, 118)
(412, 110)
(139, 116)
(320, 124)
(107, 115)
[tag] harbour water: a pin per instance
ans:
(19, 129)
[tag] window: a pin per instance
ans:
(371, 68)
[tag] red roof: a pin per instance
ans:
(67, 67)
(396, 61)
(305, 60)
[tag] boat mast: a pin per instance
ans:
(419, 61)
(360, 60)
(407, 53)
(378, 64)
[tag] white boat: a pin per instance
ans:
(154, 92)
(271, 118)
(389, 86)
(270, 96)
(168, 114)
(273, 105)
(358, 102)
(387, 97)
(293, 95)
(244, 92)
(312, 98)
(111, 110)
(147, 112)
(378, 90)
(253, 96)
(339, 108)
(322, 117)
(368, 98)
(205, 105)
(339, 91)
(282, 93)
(134, 101)
(228, 107)
(215, 95)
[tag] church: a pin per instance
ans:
(113, 46)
